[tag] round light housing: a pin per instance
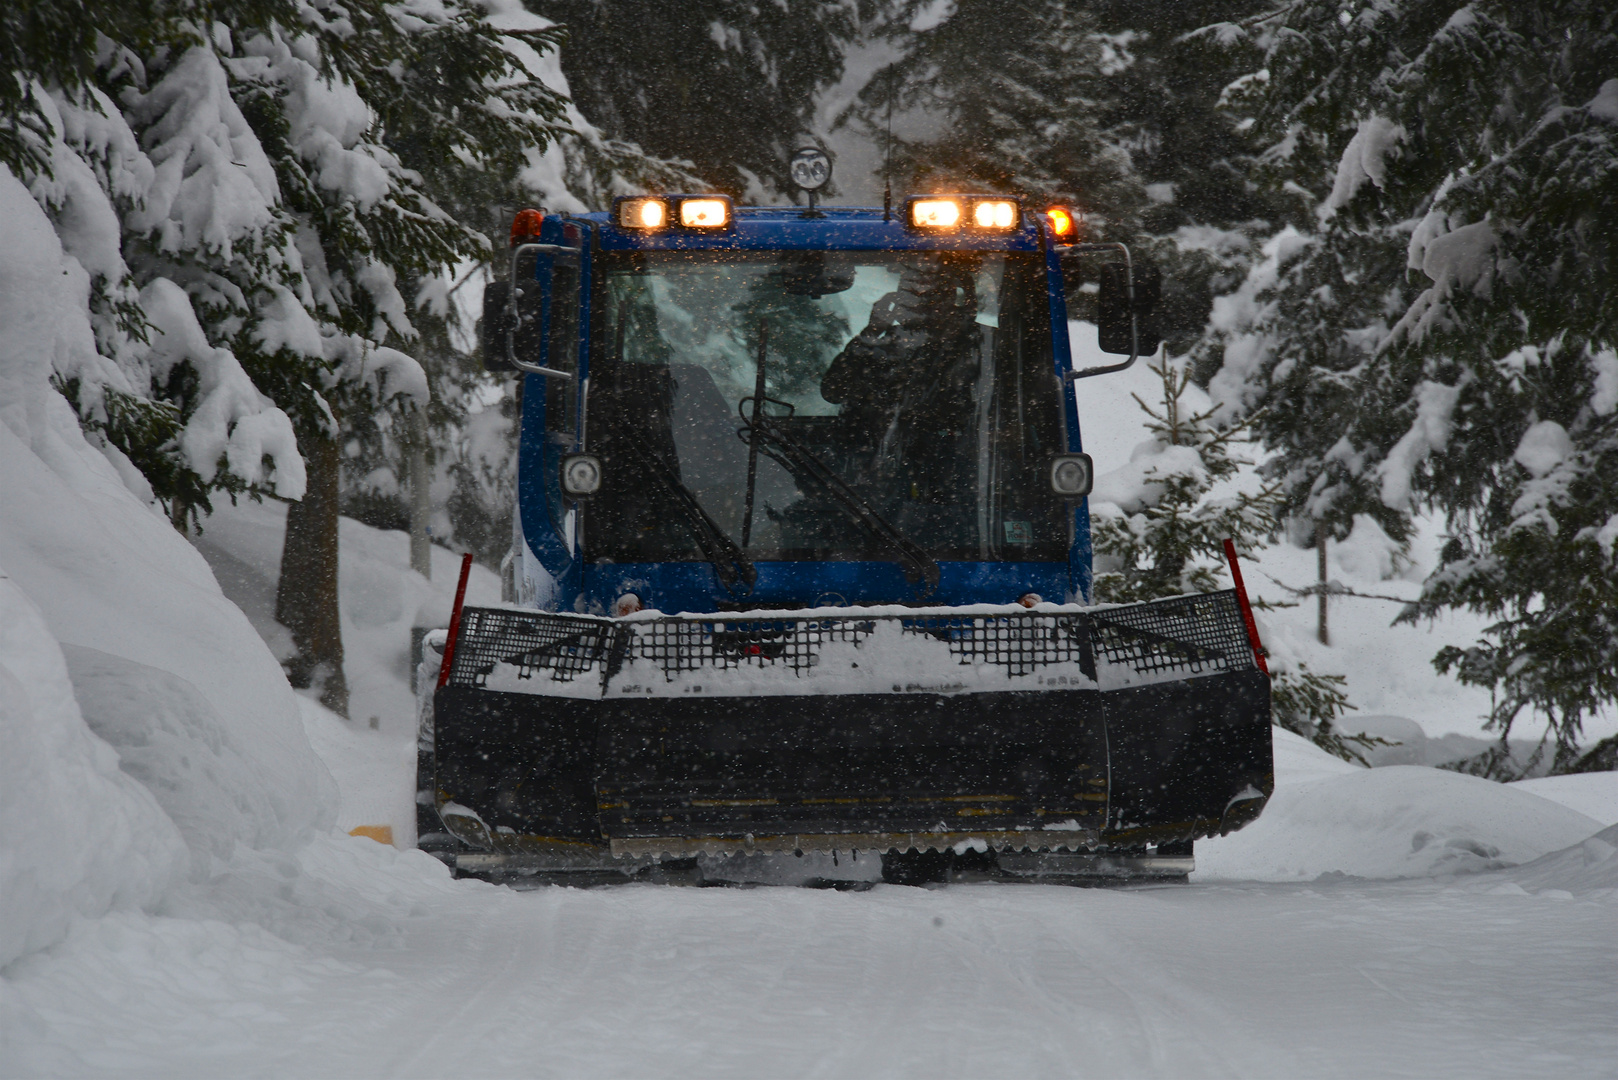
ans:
(581, 475)
(704, 213)
(1072, 475)
(935, 213)
(810, 168)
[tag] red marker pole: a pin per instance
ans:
(1241, 598)
(455, 619)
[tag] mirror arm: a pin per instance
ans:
(513, 318)
(1134, 319)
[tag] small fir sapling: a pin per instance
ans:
(1169, 540)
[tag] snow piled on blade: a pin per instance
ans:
(173, 667)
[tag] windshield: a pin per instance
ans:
(911, 406)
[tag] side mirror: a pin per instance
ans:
(1113, 309)
(494, 331)
(531, 323)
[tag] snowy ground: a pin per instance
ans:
(375, 963)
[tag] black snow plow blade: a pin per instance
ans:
(568, 739)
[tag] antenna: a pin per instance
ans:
(887, 160)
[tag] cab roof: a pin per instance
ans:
(826, 228)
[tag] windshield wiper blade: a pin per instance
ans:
(730, 563)
(919, 567)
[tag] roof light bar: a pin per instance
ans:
(994, 213)
(662, 211)
(979, 213)
(935, 213)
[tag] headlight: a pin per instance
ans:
(983, 213)
(704, 213)
(1072, 475)
(581, 475)
(994, 213)
(935, 213)
(642, 213)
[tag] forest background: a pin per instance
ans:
(1388, 229)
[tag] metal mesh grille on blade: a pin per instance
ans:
(1185, 635)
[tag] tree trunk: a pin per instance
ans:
(306, 598)
(1320, 551)
(421, 507)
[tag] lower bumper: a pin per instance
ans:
(1036, 770)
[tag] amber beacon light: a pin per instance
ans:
(525, 226)
(1064, 224)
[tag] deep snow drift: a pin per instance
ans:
(97, 588)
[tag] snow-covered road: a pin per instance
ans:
(1479, 938)
(1475, 976)
(976, 981)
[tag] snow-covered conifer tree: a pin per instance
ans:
(1440, 333)
(260, 192)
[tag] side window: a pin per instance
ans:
(562, 348)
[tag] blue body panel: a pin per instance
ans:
(692, 586)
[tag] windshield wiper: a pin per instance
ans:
(730, 563)
(798, 460)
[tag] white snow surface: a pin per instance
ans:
(1400, 821)
(350, 959)
(176, 675)
(1365, 158)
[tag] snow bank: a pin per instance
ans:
(1594, 795)
(1396, 822)
(77, 837)
(174, 741)
(1585, 867)
(172, 669)
(373, 757)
